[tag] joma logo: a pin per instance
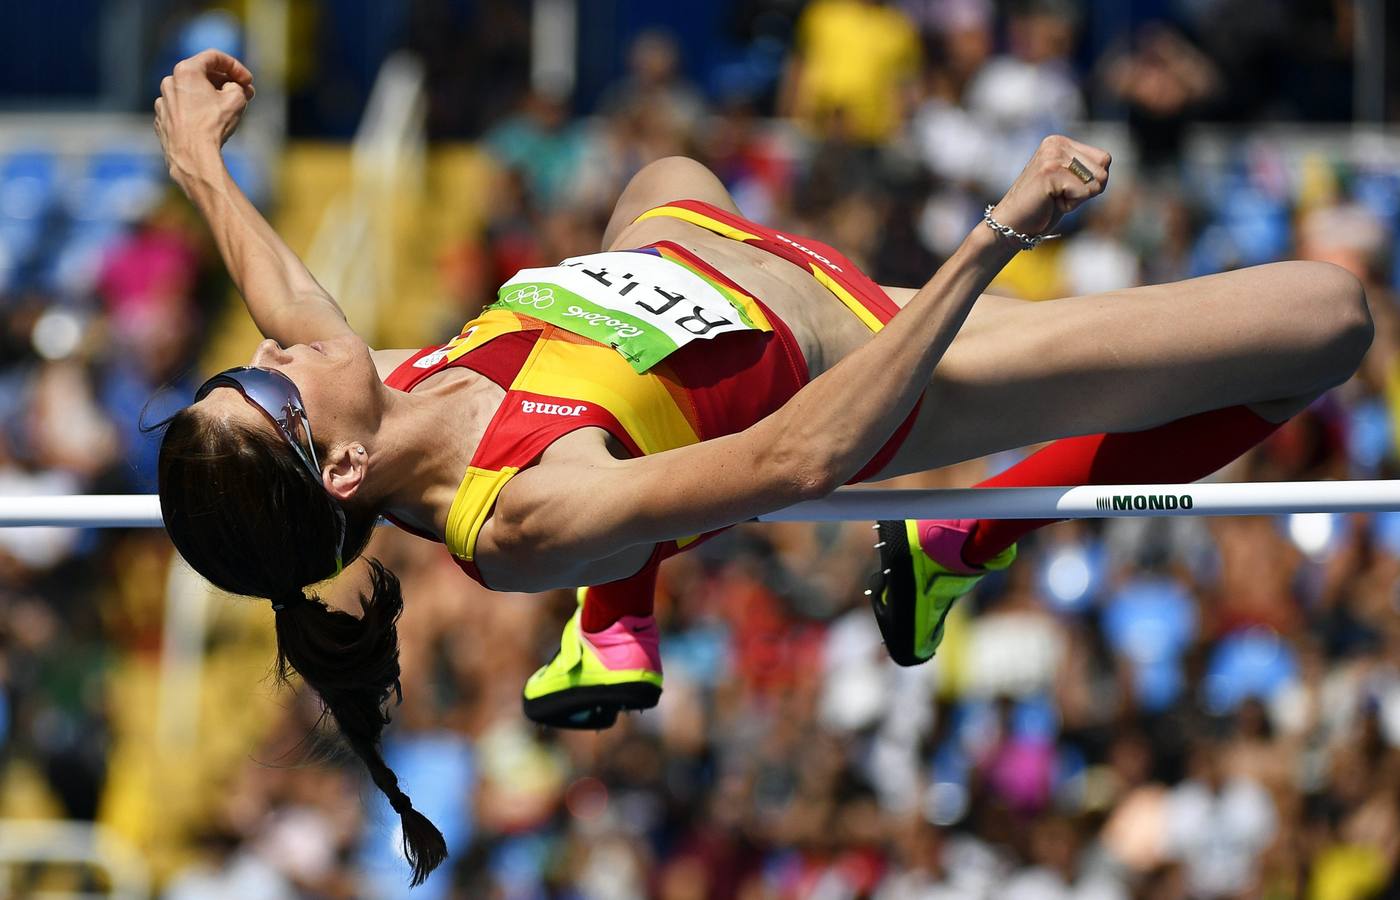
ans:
(1145, 501)
(809, 251)
(551, 409)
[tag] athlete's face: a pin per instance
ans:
(338, 384)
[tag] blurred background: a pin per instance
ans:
(1159, 709)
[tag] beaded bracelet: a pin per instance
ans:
(1027, 242)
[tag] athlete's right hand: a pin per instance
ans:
(1046, 189)
(199, 107)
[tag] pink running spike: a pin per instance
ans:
(632, 642)
(943, 540)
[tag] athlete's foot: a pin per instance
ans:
(596, 675)
(922, 573)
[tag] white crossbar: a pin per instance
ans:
(857, 504)
(1112, 501)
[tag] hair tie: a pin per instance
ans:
(399, 802)
(281, 603)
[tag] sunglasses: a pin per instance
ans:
(277, 397)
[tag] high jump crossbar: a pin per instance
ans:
(857, 504)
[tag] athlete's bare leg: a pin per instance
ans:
(671, 178)
(1271, 337)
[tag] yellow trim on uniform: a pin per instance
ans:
(641, 403)
(854, 305)
(695, 218)
(725, 230)
(476, 496)
(489, 325)
(745, 303)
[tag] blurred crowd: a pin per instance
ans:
(1137, 708)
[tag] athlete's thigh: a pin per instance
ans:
(1023, 372)
(658, 183)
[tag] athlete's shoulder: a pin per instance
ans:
(386, 361)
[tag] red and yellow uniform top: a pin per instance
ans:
(556, 382)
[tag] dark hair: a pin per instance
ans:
(246, 514)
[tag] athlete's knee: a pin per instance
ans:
(680, 167)
(659, 182)
(1343, 319)
(678, 170)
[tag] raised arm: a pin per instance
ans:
(199, 107)
(814, 442)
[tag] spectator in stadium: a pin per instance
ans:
(1028, 92)
(860, 97)
(654, 85)
(1165, 82)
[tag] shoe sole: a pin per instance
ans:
(589, 708)
(893, 594)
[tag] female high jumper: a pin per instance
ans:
(613, 410)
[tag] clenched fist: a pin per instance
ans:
(1046, 189)
(199, 107)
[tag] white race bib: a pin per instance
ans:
(643, 306)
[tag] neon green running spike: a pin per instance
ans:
(594, 677)
(912, 593)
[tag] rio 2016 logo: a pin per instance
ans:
(530, 295)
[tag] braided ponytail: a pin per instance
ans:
(353, 664)
(248, 516)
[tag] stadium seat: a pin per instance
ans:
(1253, 663)
(118, 186)
(1151, 621)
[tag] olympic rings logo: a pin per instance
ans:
(531, 296)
